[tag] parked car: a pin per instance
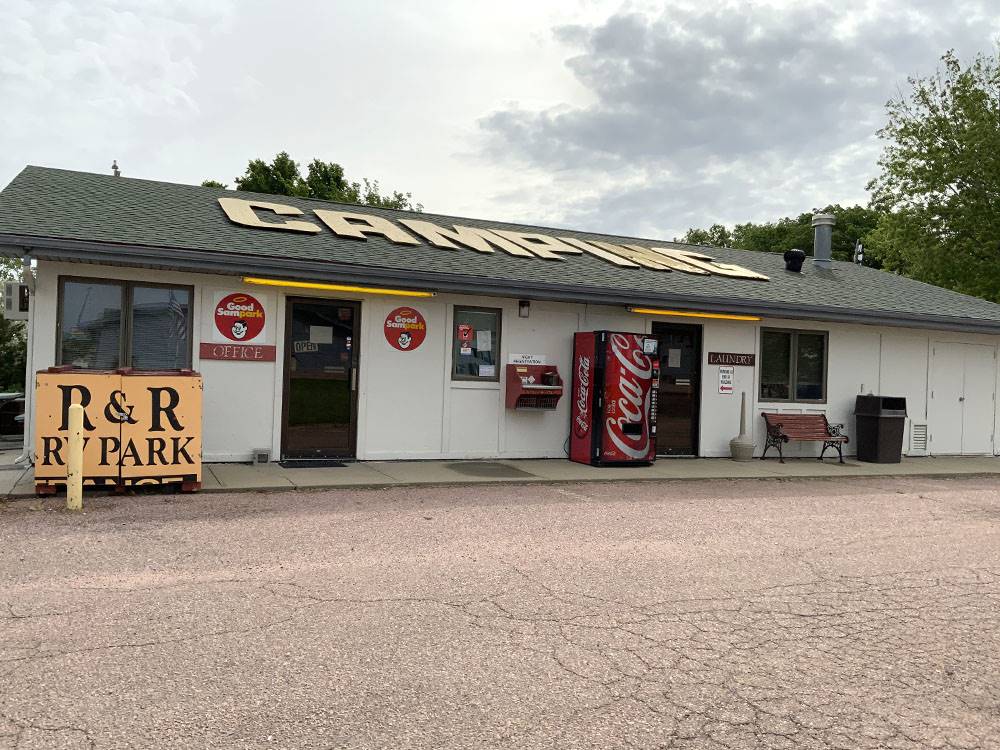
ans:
(11, 413)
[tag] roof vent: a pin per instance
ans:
(793, 260)
(823, 239)
(114, 169)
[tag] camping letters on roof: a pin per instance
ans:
(519, 244)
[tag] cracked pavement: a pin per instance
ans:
(722, 614)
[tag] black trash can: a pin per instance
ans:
(879, 431)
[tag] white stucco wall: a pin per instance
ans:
(409, 407)
(861, 359)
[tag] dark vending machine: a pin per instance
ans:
(613, 398)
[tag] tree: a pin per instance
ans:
(716, 235)
(323, 180)
(213, 183)
(13, 341)
(853, 223)
(939, 188)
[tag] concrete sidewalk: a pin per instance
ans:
(17, 483)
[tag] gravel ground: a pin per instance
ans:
(736, 614)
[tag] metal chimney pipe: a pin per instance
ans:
(823, 239)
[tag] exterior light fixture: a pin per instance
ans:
(524, 308)
(336, 287)
(682, 314)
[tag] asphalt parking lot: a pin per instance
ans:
(723, 614)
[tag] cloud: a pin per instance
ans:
(727, 113)
(113, 76)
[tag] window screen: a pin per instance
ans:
(775, 365)
(810, 366)
(90, 325)
(793, 365)
(475, 348)
(160, 321)
(152, 334)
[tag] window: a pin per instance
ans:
(475, 346)
(792, 365)
(154, 333)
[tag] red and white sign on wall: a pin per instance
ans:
(405, 329)
(239, 317)
(239, 329)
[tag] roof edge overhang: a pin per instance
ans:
(215, 262)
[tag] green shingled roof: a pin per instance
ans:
(131, 221)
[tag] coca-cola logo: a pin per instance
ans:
(581, 424)
(634, 392)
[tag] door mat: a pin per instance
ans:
(311, 463)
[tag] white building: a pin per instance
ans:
(150, 275)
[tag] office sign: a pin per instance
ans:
(240, 328)
(238, 352)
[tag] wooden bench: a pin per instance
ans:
(784, 427)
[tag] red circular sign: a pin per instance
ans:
(405, 329)
(239, 317)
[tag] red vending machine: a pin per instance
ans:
(614, 398)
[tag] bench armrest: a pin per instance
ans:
(835, 430)
(774, 430)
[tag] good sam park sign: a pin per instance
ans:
(239, 330)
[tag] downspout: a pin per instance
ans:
(29, 381)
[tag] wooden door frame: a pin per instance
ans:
(699, 333)
(352, 378)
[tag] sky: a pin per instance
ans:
(628, 117)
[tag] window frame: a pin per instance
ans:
(126, 288)
(793, 365)
(454, 332)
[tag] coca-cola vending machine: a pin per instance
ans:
(614, 398)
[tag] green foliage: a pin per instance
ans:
(280, 177)
(213, 183)
(326, 180)
(13, 341)
(716, 235)
(323, 180)
(939, 189)
(853, 223)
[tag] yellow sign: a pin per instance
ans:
(519, 244)
(138, 428)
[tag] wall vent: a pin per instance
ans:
(918, 439)
(262, 456)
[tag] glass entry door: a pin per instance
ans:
(321, 379)
(678, 400)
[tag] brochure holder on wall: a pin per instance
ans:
(533, 387)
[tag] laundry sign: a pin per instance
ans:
(732, 358)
